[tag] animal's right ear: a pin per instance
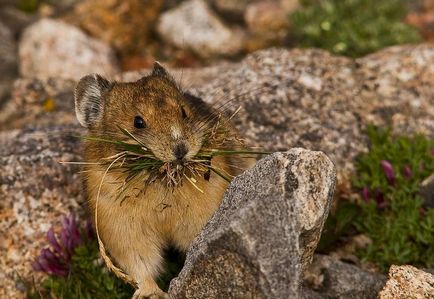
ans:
(89, 100)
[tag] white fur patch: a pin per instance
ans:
(176, 132)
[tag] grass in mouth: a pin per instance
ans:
(139, 163)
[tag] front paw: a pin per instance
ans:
(158, 294)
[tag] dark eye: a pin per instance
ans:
(139, 123)
(183, 113)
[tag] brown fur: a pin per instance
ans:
(137, 228)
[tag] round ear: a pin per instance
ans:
(159, 70)
(89, 100)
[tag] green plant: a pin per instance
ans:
(75, 270)
(29, 6)
(87, 279)
(352, 27)
(392, 214)
(389, 210)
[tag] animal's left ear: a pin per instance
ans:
(159, 70)
(89, 99)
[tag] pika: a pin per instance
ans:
(168, 203)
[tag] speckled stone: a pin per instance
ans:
(408, 282)
(38, 102)
(397, 87)
(312, 99)
(264, 233)
(35, 190)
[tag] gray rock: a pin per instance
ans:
(35, 190)
(397, 88)
(312, 99)
(330, 278)
(72, 54)
(264, 233)
(193, 26)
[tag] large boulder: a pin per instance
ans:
(72, 54)
(265, 232)
(312, 99)
(408, 282)
(193, 26)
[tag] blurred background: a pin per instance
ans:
(85, 36)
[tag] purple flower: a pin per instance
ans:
(51, 263)
(53, 241)
(380, 200)
(407, 172)
(70, 234)
(388, 171)
(365, 193)
(56, 259)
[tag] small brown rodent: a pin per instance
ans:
(151, 216)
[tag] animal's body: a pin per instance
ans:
(150, 216)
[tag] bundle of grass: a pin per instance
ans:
(136, 160)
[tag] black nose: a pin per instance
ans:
(180, 150)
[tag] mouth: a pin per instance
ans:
(138, 164)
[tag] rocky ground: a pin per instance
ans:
(304, 98)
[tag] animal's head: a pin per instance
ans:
(170, 123)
